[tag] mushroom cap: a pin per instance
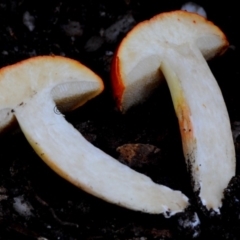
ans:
(62, 76)
(135, 67)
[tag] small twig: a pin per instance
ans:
(41, 201)
(62, 222)
(54, 214)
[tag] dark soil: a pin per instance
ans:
(55, 209)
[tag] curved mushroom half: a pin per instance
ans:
(29, 91)
(176, 45)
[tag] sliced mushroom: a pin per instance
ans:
(28, 90)
(175, 45)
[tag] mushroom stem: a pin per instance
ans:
(200, 108)
(75, 159)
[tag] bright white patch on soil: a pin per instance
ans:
(22, 207)
(29, 21)
(192, 223)
(195, 8)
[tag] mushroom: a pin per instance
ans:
(176, 45)
(28, 93)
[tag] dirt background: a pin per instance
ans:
(90, 31)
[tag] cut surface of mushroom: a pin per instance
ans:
(175, 45)
(29, 92)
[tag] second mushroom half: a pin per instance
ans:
(176, 45)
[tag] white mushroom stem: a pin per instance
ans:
(66, 151)
(200, 108)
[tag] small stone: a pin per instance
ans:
(93, 44)
(123, 25)
(138, 155)
(73, 29)
(29, 21)
(22, 207)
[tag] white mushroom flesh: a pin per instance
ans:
(176, 45)
(33, 86)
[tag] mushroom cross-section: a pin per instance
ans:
(28, 93)
(176, 45)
